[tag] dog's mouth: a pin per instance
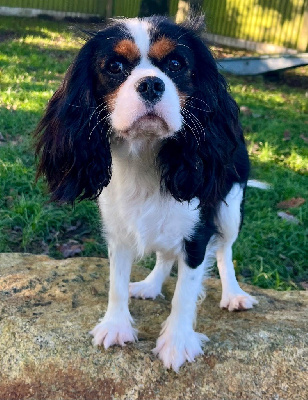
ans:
(148, 125)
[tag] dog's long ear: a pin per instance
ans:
(208, 154)
(72, 138)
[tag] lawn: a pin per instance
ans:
(270, 251)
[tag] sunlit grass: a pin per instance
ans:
(276, 126)
(57, 42)
(270, 252)
(297, 162)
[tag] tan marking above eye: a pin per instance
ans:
(127, 49)
(161, 48)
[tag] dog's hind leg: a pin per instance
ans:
(151, 286)
(229, 220)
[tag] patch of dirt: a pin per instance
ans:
(297, 77)
(228, 52)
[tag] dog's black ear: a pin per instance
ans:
(208, 154)
(72, 141)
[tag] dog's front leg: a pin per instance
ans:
(116, 326)
(178, 341)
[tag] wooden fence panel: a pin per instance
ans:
(279, 22)
(126, 8)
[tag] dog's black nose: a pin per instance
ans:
(150, 89)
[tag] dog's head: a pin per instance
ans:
(142, 81)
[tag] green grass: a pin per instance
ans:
(276, 249)
(270, 252)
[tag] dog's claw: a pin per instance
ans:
(109, 333)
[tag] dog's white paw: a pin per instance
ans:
(109, 332)
(145, 289)
(173, 348)
(237, 301)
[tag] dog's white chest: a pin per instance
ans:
(136, 213)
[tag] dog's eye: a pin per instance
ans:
(174, 65)
(115, 67)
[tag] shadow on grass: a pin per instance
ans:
(16, 126)
(292, 78)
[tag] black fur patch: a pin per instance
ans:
(195, 246)
(73, 135)
(208, 155)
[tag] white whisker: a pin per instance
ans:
(192, 130)
(190, 114)
(99, 121)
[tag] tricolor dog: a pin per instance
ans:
(144, 122)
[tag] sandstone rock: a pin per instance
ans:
(48, 306)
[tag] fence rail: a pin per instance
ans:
(278, 22)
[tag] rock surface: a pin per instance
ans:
(48, 306)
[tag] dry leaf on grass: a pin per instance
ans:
(71, 248)
(291, 203)
(304, 285)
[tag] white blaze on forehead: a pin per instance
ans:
(129, 105)
(139, 29)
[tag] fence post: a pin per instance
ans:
(302, 42)
(109, 8)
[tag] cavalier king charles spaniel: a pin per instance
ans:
(144, 122)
